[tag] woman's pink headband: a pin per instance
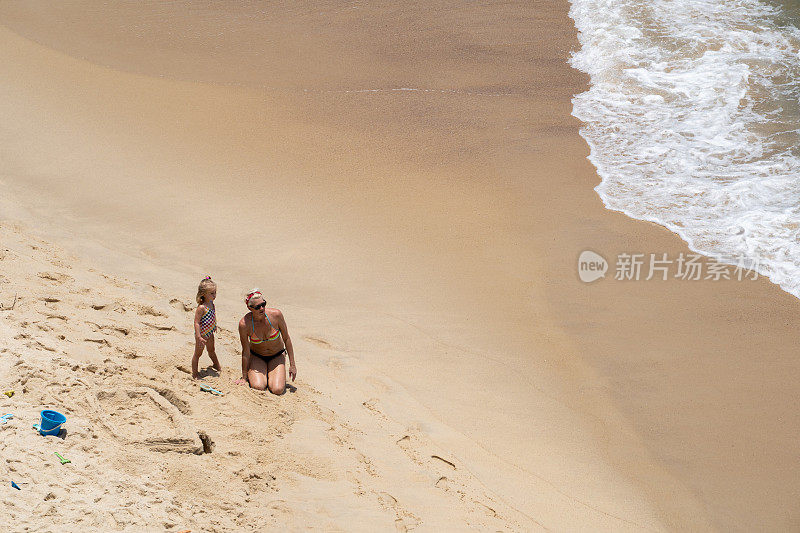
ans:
(251, 296)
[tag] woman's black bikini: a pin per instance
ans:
(267, 358)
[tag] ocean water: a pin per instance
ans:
(693, 121)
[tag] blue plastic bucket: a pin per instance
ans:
(51, 422)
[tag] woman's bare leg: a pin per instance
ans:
(276, 375)
(257, 375)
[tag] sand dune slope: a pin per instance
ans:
(150, 451)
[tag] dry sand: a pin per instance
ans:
(406, 183)
(150, 451)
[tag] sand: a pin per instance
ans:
(407, 184)
(150, 450)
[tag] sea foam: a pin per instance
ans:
(693, 122)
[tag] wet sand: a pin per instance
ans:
(407, 184)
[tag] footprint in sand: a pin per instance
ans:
(149, 310)
(101, 341)
(404, 519)
(280, 510)
(322, 343)
(106, 329)
(450, 479)
(372, 406)
(56, 277)
(411, 446)
(159, 327)
(180, 305)
(116, 282)
(405, 444)
(449, 463)
(39, 345)
(117, 329)
(368, 466)
(59, 263)
(379, 385)
(9, 303)
(259, 480)
(338, 439)
(127, 352)
(335, 365)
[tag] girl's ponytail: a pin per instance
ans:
(203, 288)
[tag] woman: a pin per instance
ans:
(265, 342)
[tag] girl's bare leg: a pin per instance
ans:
(212, 353)
(198, 351)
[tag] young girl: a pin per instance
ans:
(205, 324)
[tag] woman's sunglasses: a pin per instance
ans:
(262, 305)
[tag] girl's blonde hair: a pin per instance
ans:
(203, 288)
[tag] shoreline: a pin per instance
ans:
(490, 347)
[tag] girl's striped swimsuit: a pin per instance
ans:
(208, 322)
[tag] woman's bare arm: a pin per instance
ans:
(287, 340)
(245, 348)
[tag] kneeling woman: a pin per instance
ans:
(265, 342)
